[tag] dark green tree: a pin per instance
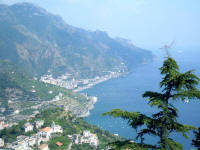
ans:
(174, 86)
(196, 141)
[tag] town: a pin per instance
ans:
(41, 138)
(69, 82)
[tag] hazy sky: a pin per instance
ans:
(148, 23)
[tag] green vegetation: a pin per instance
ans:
(82, 147)
(63, 139)
(196, 141)
(24, 91)
(174, 86)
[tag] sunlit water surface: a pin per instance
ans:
(125, 93)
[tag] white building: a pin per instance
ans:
(1, 142)
(31, 141)
(38, 139)
(56, 128)
(38, 124)
(46, 132)
(76, 138)
(28, 127)
(87, 137)
(86, 133)
(3, 125)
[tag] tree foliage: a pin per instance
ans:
(196, 141)
(174, 86)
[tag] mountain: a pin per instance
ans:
(42, 42)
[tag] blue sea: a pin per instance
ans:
(125, 93)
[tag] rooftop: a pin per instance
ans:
(59, 144)
(43, 146)
(47, 129)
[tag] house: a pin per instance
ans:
(22, 140)
(46, 132)
(56, 128)
(19, 147)
(76, 138)
(86, 133)
(38, 140)
(1, 142)
(89, 138)
(43, 147)
(38, 124)
(31, 141)
(28, 127)
(59, 144)
(86, 137)
(3, 125)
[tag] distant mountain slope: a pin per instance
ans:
(21, 95)
(42, 42)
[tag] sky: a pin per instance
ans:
(147, 23)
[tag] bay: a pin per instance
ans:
(126, 93)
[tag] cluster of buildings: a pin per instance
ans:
(47, 131)
(78, 84)
(86, 137)
(25, 142)
(43, 135)
(4, 124)
(61, 81)
(29, 127)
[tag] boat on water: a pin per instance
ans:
(186, 101)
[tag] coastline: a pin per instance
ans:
(94, 99)
(80, 85)
(101, 80)
(90, 107)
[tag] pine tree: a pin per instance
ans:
(175, 86)
(196, 141)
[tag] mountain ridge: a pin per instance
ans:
(40, 42)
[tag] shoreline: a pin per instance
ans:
(101, 80)
(94, 98)
(81, 87)
(91, 104)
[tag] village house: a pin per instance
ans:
(31, 141)
(90, 138)
(3, 125)
(46, 133)
(28, 127)
(86, 137)
(25, 142)
(38, 138)
(22, 139)
(56, 128)
(1, 142)
(38, 124)
(76, 138)
(22, 145)
(59, 144)
(43, 147)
